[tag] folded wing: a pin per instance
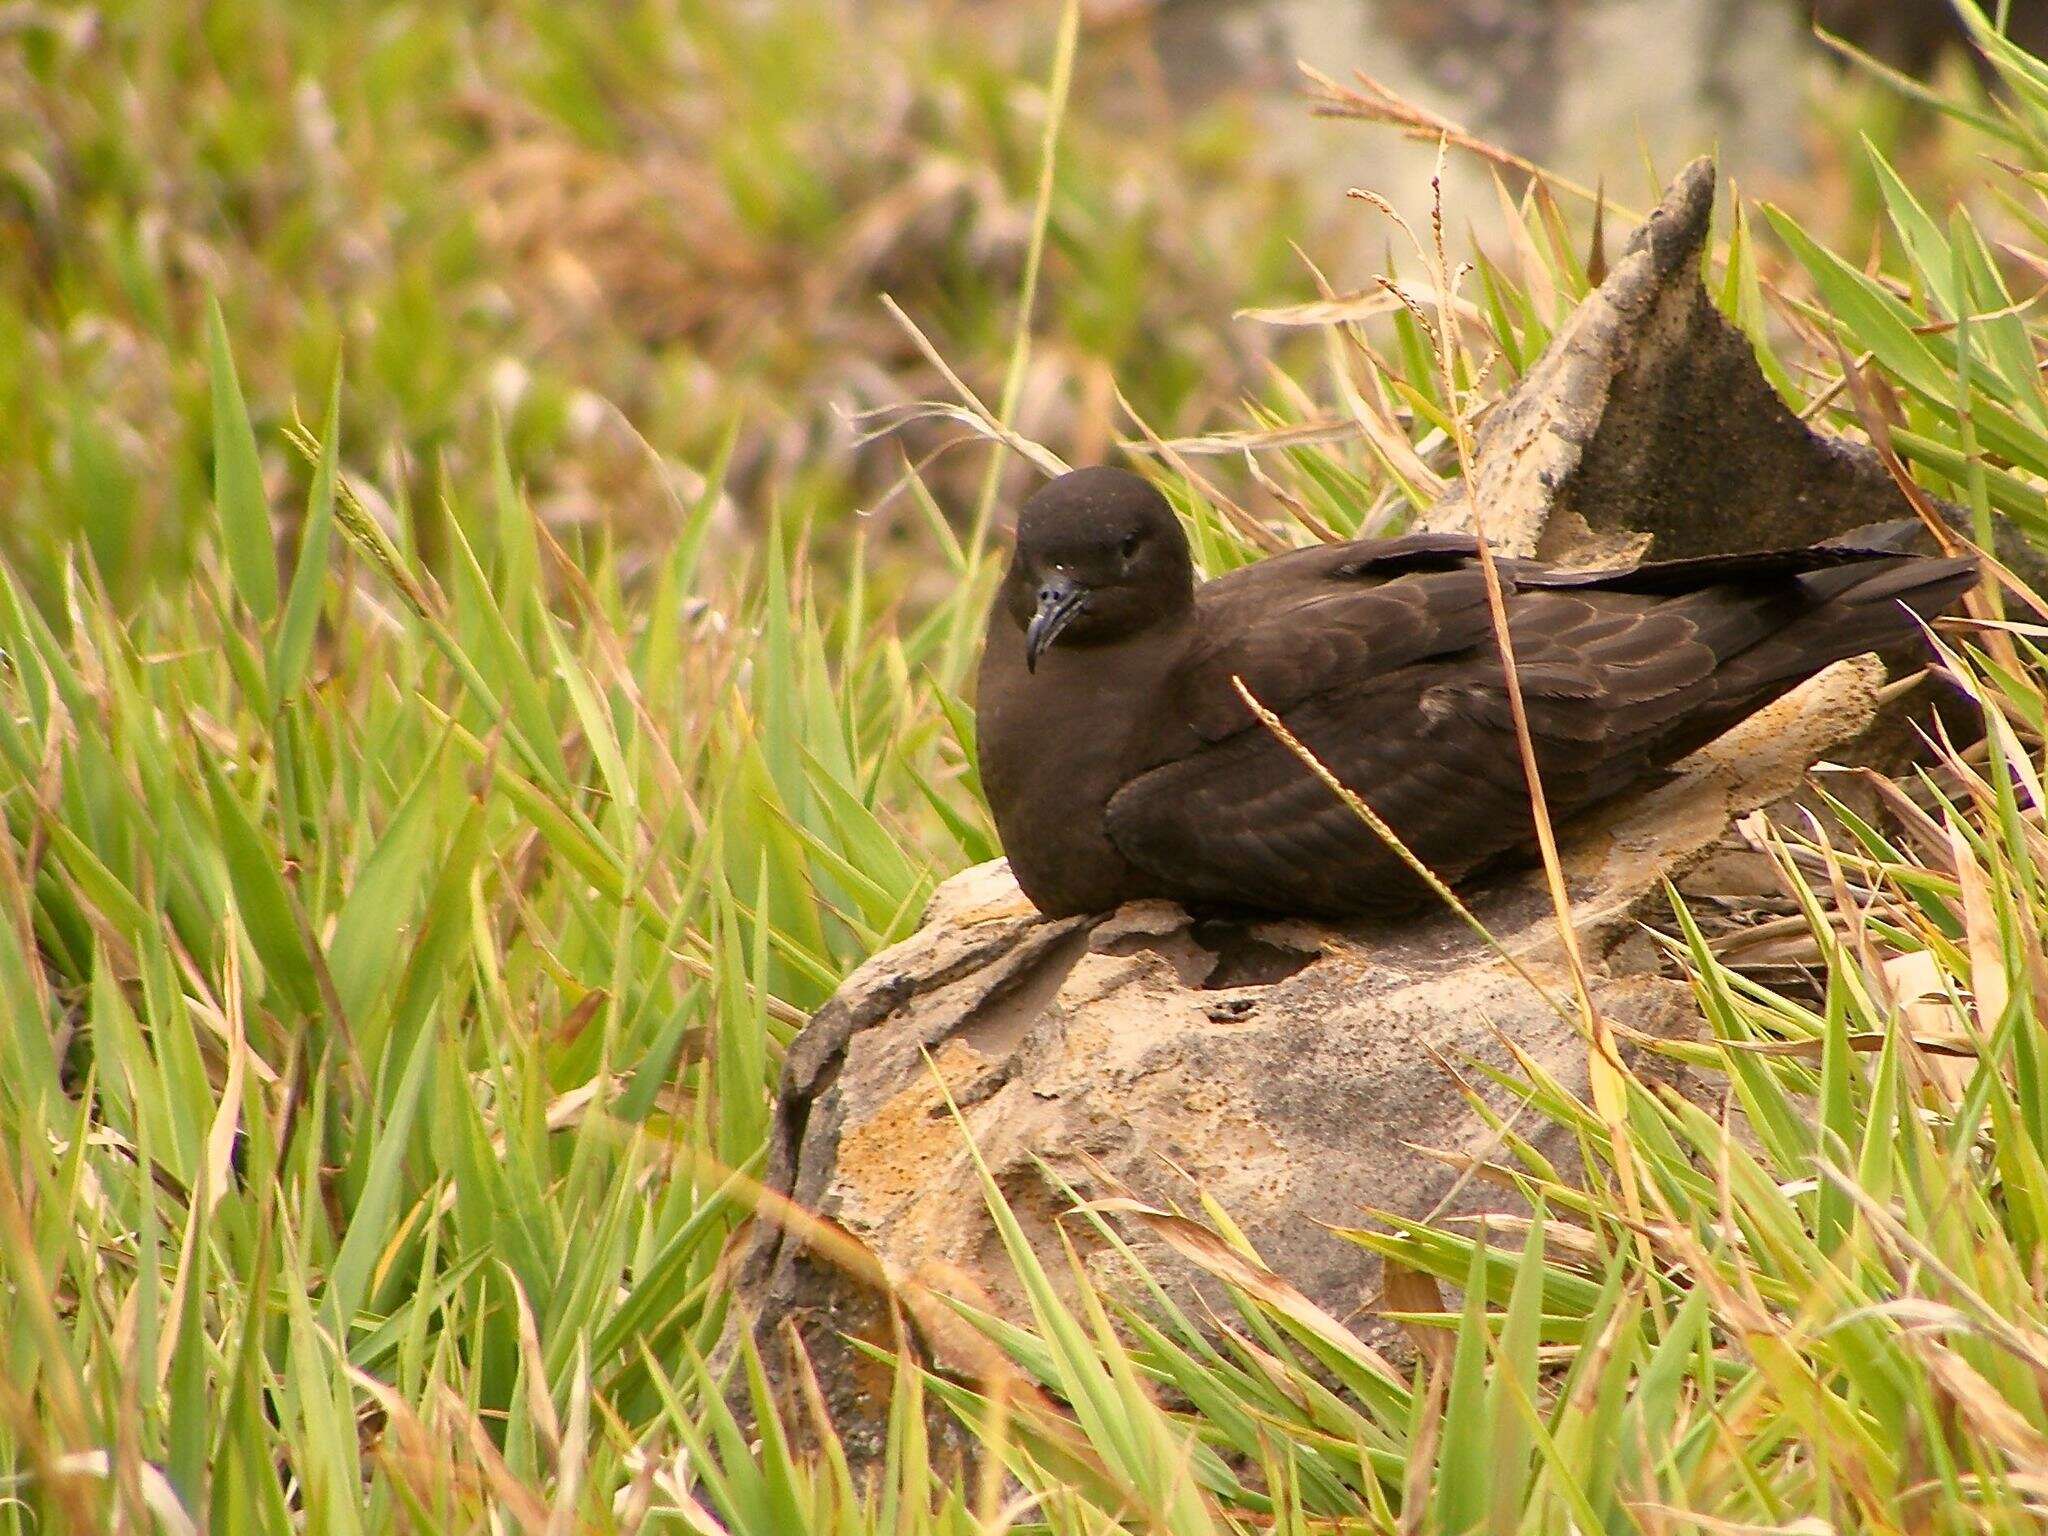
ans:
(1386, 669)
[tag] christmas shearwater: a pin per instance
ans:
(1121, 762)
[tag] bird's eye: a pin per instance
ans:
(1130, 545)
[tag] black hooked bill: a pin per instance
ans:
(1060, 598)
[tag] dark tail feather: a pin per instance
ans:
(1867, 606)
(1874, 604)
(1925, 584)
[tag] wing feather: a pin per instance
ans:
(1381, 660)
(1401, 695)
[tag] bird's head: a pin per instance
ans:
(1100, 557)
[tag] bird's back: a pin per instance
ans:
(1381, 659)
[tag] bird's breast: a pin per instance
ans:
(1055, 745)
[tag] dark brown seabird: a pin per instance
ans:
(1121, 763)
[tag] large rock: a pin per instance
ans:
(1648, 425)
(1298, 1073)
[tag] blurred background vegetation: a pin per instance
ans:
(623, 229)
(466, 699)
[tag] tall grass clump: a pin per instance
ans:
(396, 972)
(399, 940)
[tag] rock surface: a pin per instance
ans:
(1298, 1073)
(1294, 1072)
(1647, 424)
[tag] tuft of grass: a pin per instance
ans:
(392, 966)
